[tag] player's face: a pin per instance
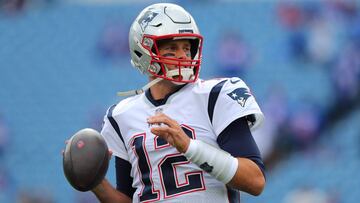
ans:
(178, 49)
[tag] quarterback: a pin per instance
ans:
(180, 138)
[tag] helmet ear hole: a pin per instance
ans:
(138, 54)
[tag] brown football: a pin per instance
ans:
(85, 159)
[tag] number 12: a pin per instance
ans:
(194, 180)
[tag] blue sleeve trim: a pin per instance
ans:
(113, 123)
(123, 179)
(237, 139)
(213, 96)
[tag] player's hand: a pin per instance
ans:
(170, 131)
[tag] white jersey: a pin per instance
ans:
(160, 173)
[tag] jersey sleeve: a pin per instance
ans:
(123, 178)
(111, 133)
(234, 100)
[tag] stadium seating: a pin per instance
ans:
(52, 79)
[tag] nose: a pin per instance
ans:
(182, 54)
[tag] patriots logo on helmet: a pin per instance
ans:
(240, 95)
(146, 19)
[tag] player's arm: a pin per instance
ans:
(238, 170)
(248, 177)
(106, 193)
(237, 163)
(237, 140)
(123, 192)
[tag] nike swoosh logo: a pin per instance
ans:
(234, 81)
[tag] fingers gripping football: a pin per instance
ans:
(169, 130)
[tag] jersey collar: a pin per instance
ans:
(160, 102)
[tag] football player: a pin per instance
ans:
(180, 138)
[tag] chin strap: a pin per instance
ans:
(186, 73)
(139, 91)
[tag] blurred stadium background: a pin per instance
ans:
(62, 62)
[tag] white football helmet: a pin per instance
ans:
(165, 21)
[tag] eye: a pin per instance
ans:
(187, 49)
(173, 48)
(169, 48)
